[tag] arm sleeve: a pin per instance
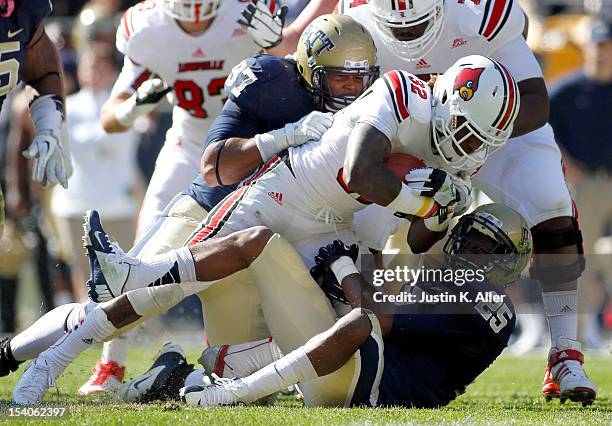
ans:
(519, 59)
(381, 108)
(232, 122)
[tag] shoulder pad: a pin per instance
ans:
(136, 21)
(409, 96)
(269, 80)
(497, 21)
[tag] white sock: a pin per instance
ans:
(196, 377)
(94, 328)
(116, 349)
(43, 333)
(176, 266)
(246, 358)
(293, 368)
(561, 312)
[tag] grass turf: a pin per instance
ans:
(507, 393)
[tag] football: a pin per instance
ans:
(401, 164)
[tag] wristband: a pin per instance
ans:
(271, 143)
(342, 267)
(409, 203)
(126, 112)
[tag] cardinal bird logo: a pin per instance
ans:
(466, 82)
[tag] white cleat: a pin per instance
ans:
(106, 377)
(109, 264)
(223, 392)
(565, 361)
(36, 379)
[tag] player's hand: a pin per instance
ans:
(464, 194)
(331, 252)
(439, 221)
(310, 128)
(142, 102)
(52, 163)
(434, 183)
(264, 21)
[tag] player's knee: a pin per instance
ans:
(559, 259)
(252, 241)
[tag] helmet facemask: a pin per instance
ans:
(323, 94)
(386, 21)
(192, 10)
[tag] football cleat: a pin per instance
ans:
(8, 364)
(109, 264)
(224, 392)
(106, 377)
(36, 379)
(162, 381)
(565, 361)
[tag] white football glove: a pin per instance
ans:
(264, 21)
(142, 102)
(434, 183)
(309, 128)
(49, 148)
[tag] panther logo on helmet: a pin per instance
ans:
(466, 82)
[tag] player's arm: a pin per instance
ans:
(43, 74)
(136, 92)
(534, 111)
(228, 160)
(291, 34)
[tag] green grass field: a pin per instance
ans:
(507, 393)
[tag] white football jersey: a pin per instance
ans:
(485, 27)
(194, 65)
(399, 105)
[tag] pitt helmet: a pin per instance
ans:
(335, 45)
(191, 10)
(424, 19)
(476, 101)
(494, 238)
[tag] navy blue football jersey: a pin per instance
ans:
(16, 32)
(264, 93)
(435, 350)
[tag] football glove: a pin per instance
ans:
(434, 183)
(264, 21)
(49, 148)
(323, 274)
(142, 102)
(311, 127)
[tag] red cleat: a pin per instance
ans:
(106, 377)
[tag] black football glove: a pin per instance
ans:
(322, 273)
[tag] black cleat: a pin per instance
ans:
(8, 364)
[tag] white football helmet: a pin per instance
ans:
(394, 15)
(483, 92)
(191, 10)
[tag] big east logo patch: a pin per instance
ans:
(466, 82)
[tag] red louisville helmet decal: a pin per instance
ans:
(466, 82)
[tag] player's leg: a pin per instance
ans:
(321, 355)
(178, 220)
(175, 167)
(39, 336)
(527, 175)
(206, 262)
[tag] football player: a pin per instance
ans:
(426, 37)
(303, 196)
(255, 84)
(409, 353)
(27, 54)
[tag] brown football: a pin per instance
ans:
(401, 164)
